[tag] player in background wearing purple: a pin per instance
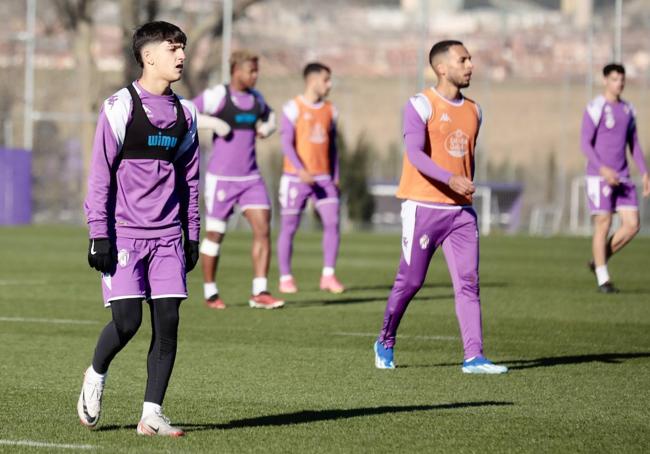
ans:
(311, 170)
(440, 131)
(608, 128)
(237, 115)
(142, 198)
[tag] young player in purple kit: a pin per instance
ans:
(237, 114)
(311, 169)
(440, 130)
(142, 198)
(608, 128)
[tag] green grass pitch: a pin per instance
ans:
(302, 379)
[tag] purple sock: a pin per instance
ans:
(329, 215)
(288, 228)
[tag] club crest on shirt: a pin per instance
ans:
(123, 257)
(424, 241)
(457, 144)
(317, 134)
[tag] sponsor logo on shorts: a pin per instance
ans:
(424, 241)
(221, 195)
(457, 144)
(123, 257)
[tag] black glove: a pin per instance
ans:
(101, 255)
(191, 254)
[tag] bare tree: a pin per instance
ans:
(208, 28)
(201, 28)
(134, 13)
(76, 17)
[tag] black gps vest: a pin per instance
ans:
(142, 140)
(238, 118)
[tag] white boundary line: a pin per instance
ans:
(444, 338)
(41, 444)
(59, 321)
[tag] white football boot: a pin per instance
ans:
(89, 406)
(158, 424)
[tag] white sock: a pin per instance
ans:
(285, 277)
(328, 271)
(149, 408)
(94, 376)
(601, 274)
(210, 289)
(259, 285)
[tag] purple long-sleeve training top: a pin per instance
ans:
(417, 112)
(145, 200)
(288, 139)
(608, 128)
(234, 155)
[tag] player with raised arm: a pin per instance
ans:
(237, 114)
(608, 129)
(142, 199)
(311, 170)
(440, 131)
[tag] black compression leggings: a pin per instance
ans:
(127, 317)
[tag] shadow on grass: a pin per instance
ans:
(311, 416)
(362, 299)
(551, 361)
(606, 358)
(388, 288)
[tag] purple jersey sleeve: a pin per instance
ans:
(414, 139)
(266, 109)
(105, 150)
(288, 140)
(587, 138)
(211, 101)
(635, 147)
(187, 166)
(334, 153)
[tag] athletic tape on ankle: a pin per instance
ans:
(209, 248)
(215, 225)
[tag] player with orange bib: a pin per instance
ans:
(440, 131)
(311, 170)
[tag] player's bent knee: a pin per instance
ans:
(413, 284)
(127, 327)
(215, 225)
(209, 248)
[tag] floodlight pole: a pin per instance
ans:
(424, 30)
(28, 112)
(617, 32)
(590, 57)
(226, 40)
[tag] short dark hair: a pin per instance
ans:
(156, 32)
(314, 67)
(442, 47)
(613, 67)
